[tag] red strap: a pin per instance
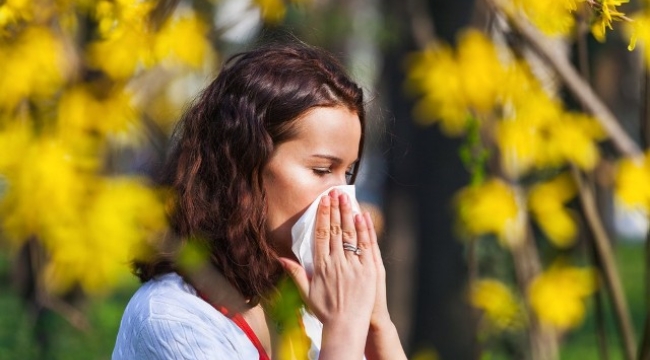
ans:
(243, 325)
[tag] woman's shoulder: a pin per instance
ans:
(167, 296)
(165, 317)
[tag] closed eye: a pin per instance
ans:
(349, 175)
(321, 171)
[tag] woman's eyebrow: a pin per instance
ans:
(332, 158)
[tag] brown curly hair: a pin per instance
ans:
(224, 141)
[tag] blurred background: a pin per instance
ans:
(497, 246)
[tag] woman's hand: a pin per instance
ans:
(342, 290)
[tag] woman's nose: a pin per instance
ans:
(341, 180)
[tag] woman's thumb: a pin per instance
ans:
(297, 273)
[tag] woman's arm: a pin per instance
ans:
(383, 341)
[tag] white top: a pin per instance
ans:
(165, 319)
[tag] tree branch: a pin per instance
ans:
(574, 82)
(610, 271)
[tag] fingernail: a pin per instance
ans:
(325, 201)
(359, 219)
(334, 193)
(343, 199)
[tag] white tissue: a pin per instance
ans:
(302, 233)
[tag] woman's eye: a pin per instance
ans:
(322, 171)
(349, 174)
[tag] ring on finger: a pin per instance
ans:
(352, 248)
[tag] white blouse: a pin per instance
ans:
(165, 319)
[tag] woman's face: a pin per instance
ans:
(318, 157)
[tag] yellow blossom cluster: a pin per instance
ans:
(128, 42)
(81, 110)
(495, 208)
(532, 129)
(455, 84)
(58, 117)
(546, 203)
(639, 31)
(632, 182)
(294, 343)
(608, 12)
(89, 225)
(491, 208)
(285, 309)
(539, 134)
(551, 17)
(33, 65)
(499, 305)
(15, 12)
(558, 295)
(559, 17)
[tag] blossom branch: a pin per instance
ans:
(610, 271)
(574, 82)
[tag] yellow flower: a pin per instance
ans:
(182, 40)
(285, 308)
(15, 137)
(455, 84)
(606, 12)
(89, 227)
(435, 73)
(551, 17)
(122, 53)
(538, 133)
(599, 28)
(522, 135)
(517, 84)
(83, 111)
(120, 217)
(639, 31)
(520, 146)
(273, 11)
(32, 66)
(557, 295)
(45, 190)
(497, 303)
(14, 10)
(123, 216)
(568, 141)
(294, 344)
(633, 182)
(125, 44)
(546, 202)
(609, 10)
(480, 69)
(491, 208)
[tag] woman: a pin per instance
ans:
(279, 125)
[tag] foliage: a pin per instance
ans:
(529, 151)
(85, 83)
